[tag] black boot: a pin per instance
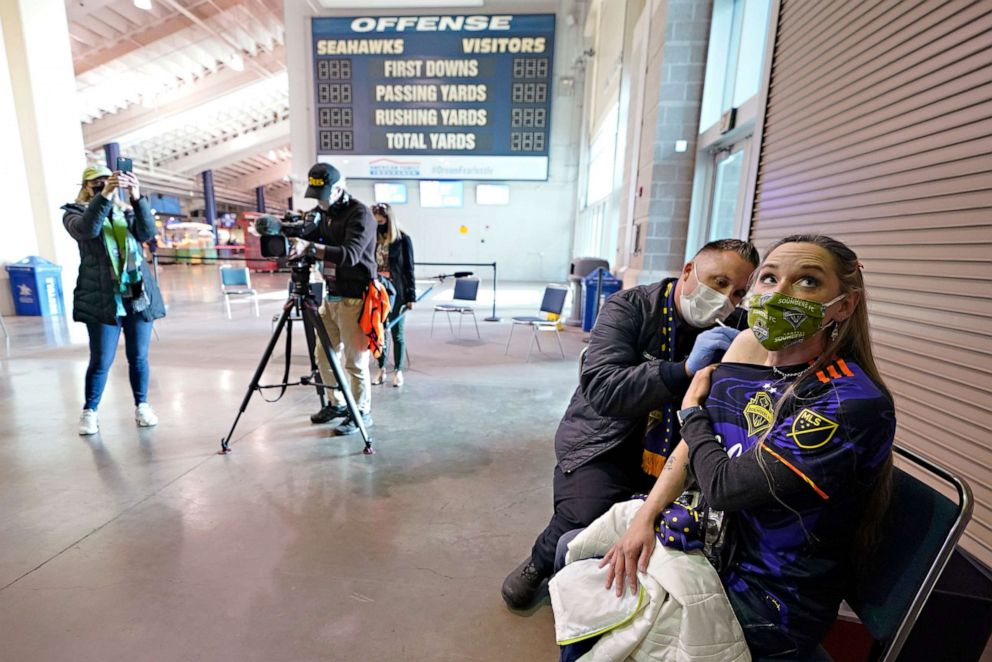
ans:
(329, 413)
(520, 586)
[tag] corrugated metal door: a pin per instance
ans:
(878, 131)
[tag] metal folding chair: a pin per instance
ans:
(236, 281)
(921, 531)
(552, 304)
(466, 289)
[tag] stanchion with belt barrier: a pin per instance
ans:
(492, 265)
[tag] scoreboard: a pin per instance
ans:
(434, 97)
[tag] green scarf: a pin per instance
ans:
(125, 255)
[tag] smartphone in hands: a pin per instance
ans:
(124, 164)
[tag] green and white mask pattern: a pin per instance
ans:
(779, 321)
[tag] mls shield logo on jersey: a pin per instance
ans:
(812, 430)
(794, 317)
(758, 413)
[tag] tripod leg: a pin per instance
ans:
(311, 349)
(311, 319)
(225, 444)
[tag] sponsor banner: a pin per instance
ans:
(524, 168)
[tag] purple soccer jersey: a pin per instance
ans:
(792, 558)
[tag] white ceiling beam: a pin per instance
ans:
(233, 150)
(274, 173)
(203, 91)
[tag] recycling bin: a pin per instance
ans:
(577, 271)
(36, 287)
(599, 285)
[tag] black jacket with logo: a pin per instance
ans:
(619, 385)
(348, 233)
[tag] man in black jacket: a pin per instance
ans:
(345, 241)
(618, 429)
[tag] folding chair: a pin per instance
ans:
(552, 303)
(466, 289)
(236, 281)
(919, 535)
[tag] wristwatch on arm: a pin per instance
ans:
(684, 415)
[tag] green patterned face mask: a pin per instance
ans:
(778, 320)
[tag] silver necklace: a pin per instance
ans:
(785, 375)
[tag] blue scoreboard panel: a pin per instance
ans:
(435, 97)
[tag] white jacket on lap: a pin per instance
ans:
(684, 615)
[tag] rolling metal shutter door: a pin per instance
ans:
(878, 131)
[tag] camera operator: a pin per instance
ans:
(344, 239)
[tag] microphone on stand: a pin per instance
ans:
(457, 274)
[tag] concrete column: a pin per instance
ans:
(209, 199)
(41, 134)
(260, 198)
(679, 36)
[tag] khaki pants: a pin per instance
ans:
(340, 318)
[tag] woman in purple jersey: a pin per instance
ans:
(794, 445)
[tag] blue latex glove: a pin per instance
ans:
(709, 346)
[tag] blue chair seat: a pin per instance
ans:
(530, 319)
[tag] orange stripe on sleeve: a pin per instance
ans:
(822, 377)
(844, 368)
(795, 470)
(833, 371)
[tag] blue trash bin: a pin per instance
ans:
(36, 286)
(610, 284)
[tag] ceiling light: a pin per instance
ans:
(143, 4)
(272, 155)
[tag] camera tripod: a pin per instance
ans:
(302, 301)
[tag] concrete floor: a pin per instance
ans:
(148, 545)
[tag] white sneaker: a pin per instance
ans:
(398, 378)
(88, 423)
(145, 416)
(378, 377)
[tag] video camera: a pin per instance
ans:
(275, 234)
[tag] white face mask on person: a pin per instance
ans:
(704, 305)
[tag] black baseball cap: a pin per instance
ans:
(321, 178)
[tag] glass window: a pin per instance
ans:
(602, 156)
(751, 53)
(726, 189)
(734, 58)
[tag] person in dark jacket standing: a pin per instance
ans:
(344, 240)
(620, 425)
(115, 290)
(394, 258)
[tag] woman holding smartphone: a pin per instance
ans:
(115, 290)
